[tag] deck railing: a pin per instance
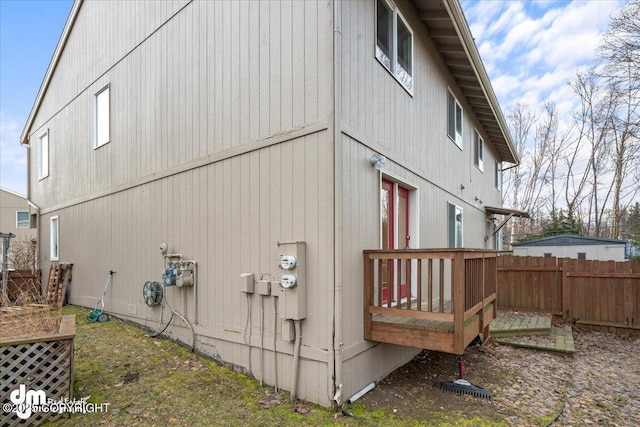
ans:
(439, 285)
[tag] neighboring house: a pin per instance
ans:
(15, 219)
(570, 246)
(224, 128)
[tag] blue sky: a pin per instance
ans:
(531, 49)
(29, 33)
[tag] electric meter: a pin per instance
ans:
(287, 262)
(288, 281)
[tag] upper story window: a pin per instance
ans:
(454, 120)
(478, 151)
(22, 219)
(101, 117)
(394, 43)
(498, 176)
(43, 155)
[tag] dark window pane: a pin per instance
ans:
(383, 33)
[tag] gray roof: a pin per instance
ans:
(570, 240)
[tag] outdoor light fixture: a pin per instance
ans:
(378, 160)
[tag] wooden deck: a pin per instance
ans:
(450, 297)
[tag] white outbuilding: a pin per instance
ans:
(568, 246)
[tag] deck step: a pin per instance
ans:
(511, 325)
(560, 340)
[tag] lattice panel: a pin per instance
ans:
(43, 366)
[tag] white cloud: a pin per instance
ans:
(13, 157)
(532, 49)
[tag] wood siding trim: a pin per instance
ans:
(284, 347)
(248, 147)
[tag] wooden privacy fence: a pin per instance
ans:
(24, 285)
(598, 293)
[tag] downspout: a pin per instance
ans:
(274, 299)
(335, 358)
(35, 207)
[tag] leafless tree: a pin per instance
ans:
(594, 124)
(23, 255)
(619, 67)
(521, 121)
(555, 142)
(595, 162)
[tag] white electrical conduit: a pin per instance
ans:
(275, 361)
(296, 359)
(261, 339)
(247, 327)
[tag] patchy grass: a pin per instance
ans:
(156, 382)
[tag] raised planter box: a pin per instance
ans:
(41, 362)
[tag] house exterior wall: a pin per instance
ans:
(10, 204)
(220, 146)
(223, 143)
(379, 116)
(604, 252)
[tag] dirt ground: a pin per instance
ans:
(598, 385)
(412, 390)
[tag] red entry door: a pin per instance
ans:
(394, 219)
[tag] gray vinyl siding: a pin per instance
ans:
(220, 146)
(365, 361)
(379, 116)
(228, 216)
(102, 35)
(196, 86)
(11, 203)
(411, 130)
(222, 143)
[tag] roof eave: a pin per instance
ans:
(24, 137)
(462, 27)
(449, 30)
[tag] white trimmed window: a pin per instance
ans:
(498, 176)
(22, 219)
(101, 112)
(454, 120)
(54, 249)
(394, 43)
(455, 226)
(43, 155)
(497, 240)
(478, 151)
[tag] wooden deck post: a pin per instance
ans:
(458, 293)
(368, 294)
